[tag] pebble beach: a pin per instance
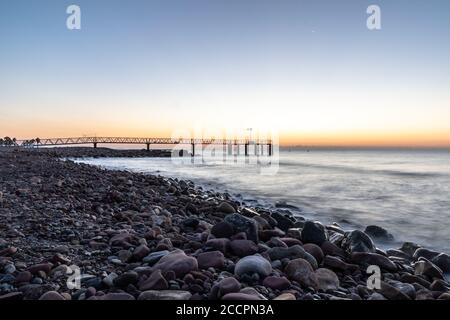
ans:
(118, 235)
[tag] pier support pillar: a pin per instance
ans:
(270, 150)
(246, 149)
(148, 146)
(193, 150)
(95, 145)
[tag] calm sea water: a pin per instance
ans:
(406, 192)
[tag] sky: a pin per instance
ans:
(309, 71)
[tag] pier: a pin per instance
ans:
(229, 145)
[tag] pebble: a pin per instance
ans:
(165, 295)
(277, 283)
(45, 267)
(315, 251)
(373, 259)
(253, 264)
(140, 252)
(314, 232)
(358, 241)
(222, 229)
(327, 280)
(442, 260)
(154, 257)
(290, 253)
(243, 248)
(225, 207)
(285, 296)
(24, 276)
(114, 296)
(284, 222)
(301, 271)
(178, 262)
(126, 279)
(155, 281)
(426, 268)
(228, 285)
(380, 233)
(243, 224)
(51, 295)
(240, 297)
(214, 259)
(109, 279)
(220, 244)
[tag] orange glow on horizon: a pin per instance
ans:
(355, 138)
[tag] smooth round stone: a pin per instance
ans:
(409, 248)
(119, 296)
(45, 267)
(7, 278)
(439, 285)
(222, 230)
(109, 279)
(276, 283)
(285, 296)
(155, 281)
(301, 271)
(51, 295)
(240, 296)
(327, 280)
(214, 259)
(291, 241)
(178, 262)
(228, 285)
(315, 251)
(442, 260)
(9, 268)
(253, 264)
(291, 253)
(225, 207)
(140, 252)
(392, 293)
(380, 233)
(426, 268)
(242, 248)
(331, 249)
(373, 259)
(125, 279)
(314, 232)
(284, 222)
(165, 295)
(358, 241)
(154, 257)
(220, 244)
(24, 276)
(243, 224)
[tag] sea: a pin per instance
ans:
(405, 191)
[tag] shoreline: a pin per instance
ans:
(140, 236)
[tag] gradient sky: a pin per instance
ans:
(310, 70)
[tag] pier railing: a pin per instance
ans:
(95, 141)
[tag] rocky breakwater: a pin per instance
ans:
(123, 236)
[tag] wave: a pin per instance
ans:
(363, 170)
